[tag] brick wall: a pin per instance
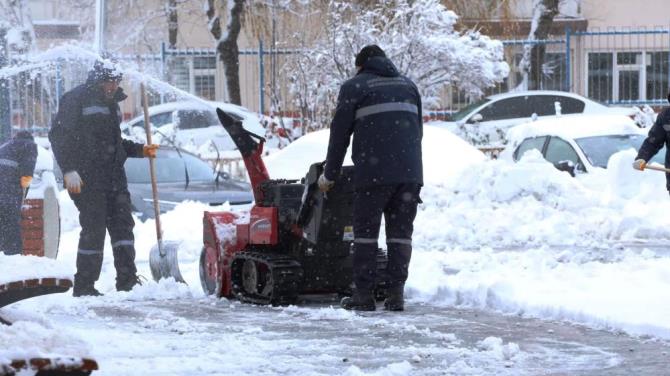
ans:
(32, 227)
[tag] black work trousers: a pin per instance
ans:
(99, 212)
(398, 204)
(10, 228)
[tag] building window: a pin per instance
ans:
(553, 75)
(657, 75)
(627, 76)
(205, 87)
(629, 72)
(600, 76)
(196, 75)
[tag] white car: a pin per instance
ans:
(577, 143)
(484, 122)
(192, 125)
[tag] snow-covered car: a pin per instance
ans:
(577, 143)
(181, 176)
(192, 125)
(484, 122)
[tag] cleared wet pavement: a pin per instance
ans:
(317, 339)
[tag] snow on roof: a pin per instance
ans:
(575, 126)
(444, 155)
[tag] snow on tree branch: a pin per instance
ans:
(418, 36)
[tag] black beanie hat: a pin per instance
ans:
(104, 72)
(368, 52)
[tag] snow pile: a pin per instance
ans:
(26, 340)
(444, 155)
(498, 349)
(18, 268)
(394, 369)
(618, 289)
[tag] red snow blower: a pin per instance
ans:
(295, 240)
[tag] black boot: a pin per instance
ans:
(395, 300)
(126, 272)
(80, 290)
(126, 283)
(359, 301)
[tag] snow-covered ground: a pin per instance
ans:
(520, 239)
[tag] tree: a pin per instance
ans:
(532, 64)
(15, 14)
(226, 41)
(418, 36)
(173, 23)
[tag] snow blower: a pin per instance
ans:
(295, 240)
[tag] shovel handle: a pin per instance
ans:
(657, 168)
(152, 170)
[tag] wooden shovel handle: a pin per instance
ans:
(152, 169)
(657, 168)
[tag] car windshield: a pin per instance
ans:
(465, 111)
(599, 149)
(169, 169)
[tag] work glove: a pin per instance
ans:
(639, 164)
(324, 184)
(149, 151)
(25, 181)
(73, 182)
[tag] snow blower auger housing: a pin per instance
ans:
(295, 240)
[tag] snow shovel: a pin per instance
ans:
(657, 168)
(163, 255)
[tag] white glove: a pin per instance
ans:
(639, 164)
(324, 184)
(73, 182)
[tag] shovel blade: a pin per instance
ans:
(164, 263)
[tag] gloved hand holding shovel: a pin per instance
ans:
(641, 164)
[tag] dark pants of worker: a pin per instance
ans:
(398, 204)
(10, 228)
(99, 212)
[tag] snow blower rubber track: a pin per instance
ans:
(266, 278)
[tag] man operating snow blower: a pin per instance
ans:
(382, 109)
(86, 140)
(659, 135)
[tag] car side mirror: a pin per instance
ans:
(567, 166)
(476, 118)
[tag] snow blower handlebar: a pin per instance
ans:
(251, 148)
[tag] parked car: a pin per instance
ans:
(578, 143)
(192, 125)
(181, 176)
(484, 122)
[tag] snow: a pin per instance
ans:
(27, 339)
(519, 238)
(516, 238)
(574, 126)
(312, 148)
(19, 268)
